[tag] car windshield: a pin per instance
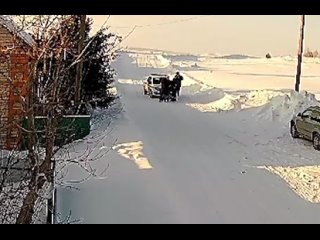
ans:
(306, 113)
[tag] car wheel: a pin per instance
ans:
(316, 141)
(293, 131)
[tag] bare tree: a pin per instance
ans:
(48, 87)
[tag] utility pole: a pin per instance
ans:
(300, 53)
(80, 64)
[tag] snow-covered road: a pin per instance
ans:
(204, 168)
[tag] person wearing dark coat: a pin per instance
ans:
(164, 91)
(173, 91)
(178, 81)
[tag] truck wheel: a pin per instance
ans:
(316, 141)
(293, 131)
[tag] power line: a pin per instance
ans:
(105, 22)
(162, 24)
(128, 34)
(133, 28)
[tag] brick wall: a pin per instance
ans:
(14, 65)
(5, 42)
(6, 38)
(19, 71)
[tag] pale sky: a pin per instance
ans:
(225, 34)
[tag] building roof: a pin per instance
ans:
(13, 28)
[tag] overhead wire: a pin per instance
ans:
(162, 24)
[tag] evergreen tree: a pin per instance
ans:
(97, 71)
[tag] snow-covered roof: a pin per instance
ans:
(13, 28)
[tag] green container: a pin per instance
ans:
(70, 128)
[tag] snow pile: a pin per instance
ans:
(238, 101)
(185, 64)
(283, 108)
(305, 180)
(162, 61)
(272, 105)
(130, 81)
(227, 103)
(258, 98)
(150, 60)
(193, 85)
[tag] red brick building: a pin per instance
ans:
(14, 75)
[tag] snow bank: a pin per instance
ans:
(256, 74)
(238, 101)
(271, 105)
(194, 86)
(305, 180)
(162, 61)
(260, 97)
(226, 103)
(130, 81)
(283, 108)
(150, 60)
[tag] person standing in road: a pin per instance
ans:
(164, 89)
(178, 81)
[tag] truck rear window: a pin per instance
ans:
(157, 80)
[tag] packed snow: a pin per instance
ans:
(211, 155)
(257, 74)
(269, 105)
(305, 181)
(283, 108)
(150, 60)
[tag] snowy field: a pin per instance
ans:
(234, 82)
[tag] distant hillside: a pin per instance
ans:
(236, 56)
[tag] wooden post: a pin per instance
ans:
(300, 54)
(80, 64)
